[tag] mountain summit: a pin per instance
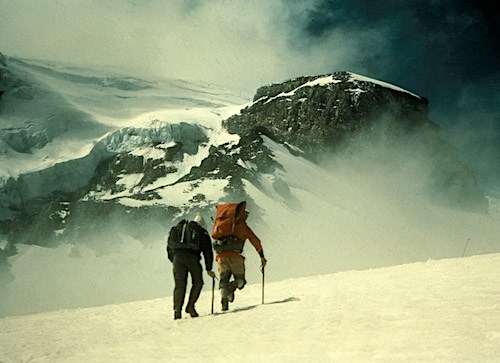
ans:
(316, 113)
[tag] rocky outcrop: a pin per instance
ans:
(316, 113)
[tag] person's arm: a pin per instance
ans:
(170, 254)
(206, 249)
(255, 241)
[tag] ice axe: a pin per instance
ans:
(263, 270)
(213, 293)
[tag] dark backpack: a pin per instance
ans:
(184, 235)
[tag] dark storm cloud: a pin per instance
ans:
(433, 47)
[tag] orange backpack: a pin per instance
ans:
(226, 217)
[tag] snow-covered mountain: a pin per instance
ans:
(339, 172)
(433, 311)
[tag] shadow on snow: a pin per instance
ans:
(250, 307)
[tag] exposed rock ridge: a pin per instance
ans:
(315, 113)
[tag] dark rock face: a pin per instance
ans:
(316, 113)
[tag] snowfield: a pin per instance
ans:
(434, 311)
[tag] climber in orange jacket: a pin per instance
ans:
(230, 232)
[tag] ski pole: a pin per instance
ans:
(466, 244)
(213, 293)
(262, 268)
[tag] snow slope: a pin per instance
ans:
(69, 108)
(434, 311)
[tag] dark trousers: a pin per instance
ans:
(184, 264)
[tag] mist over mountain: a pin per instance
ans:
(340, 169)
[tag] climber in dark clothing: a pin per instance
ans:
(186, 241)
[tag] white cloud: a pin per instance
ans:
(241, 45)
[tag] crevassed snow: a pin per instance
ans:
(167, 126)
(186, 126)
(435, 311)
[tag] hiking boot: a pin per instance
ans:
(225, 304)
(177, 315)
(191, 311)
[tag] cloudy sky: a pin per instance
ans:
(445, 50)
